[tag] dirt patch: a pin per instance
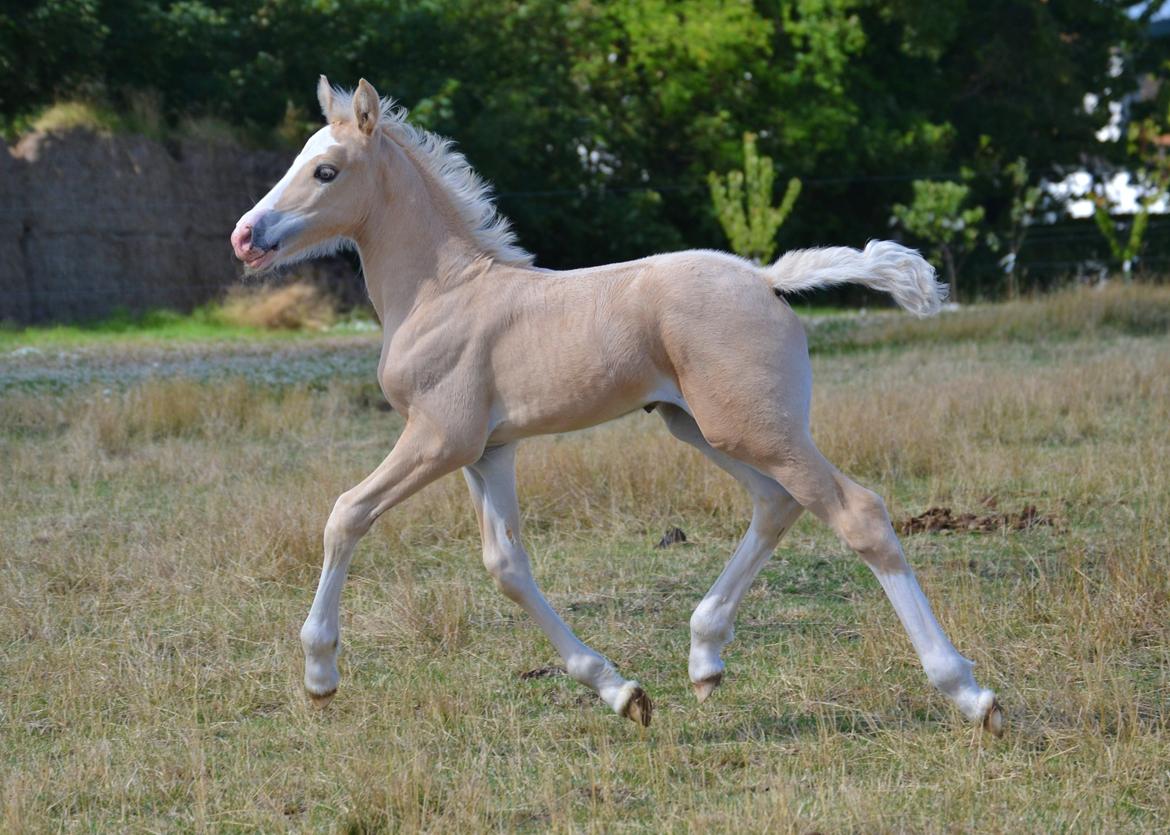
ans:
(543, 672)
(939, 519)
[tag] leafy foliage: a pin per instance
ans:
(1124, 248)
(743, 204)
(1146, 145)
(615, 110)
(1025, 200)
(937, 216)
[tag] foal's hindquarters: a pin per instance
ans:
(746, 403)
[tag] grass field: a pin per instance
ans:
(159, 543)
(248, 313)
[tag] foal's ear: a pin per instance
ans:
(325, 97)
(367, 108)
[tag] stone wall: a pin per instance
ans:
(90, 224)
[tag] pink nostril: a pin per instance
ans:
(242, 239)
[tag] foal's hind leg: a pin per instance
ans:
(774, 511)
(492, 480)
(859, 517)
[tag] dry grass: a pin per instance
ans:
(158, 548)
(298, 305)
(1115, 308)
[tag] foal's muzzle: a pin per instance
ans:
(256, 240)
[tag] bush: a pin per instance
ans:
(300, 305)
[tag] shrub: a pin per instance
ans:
(300, 305)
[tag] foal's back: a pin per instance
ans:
(576, 348)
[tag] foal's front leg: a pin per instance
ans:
(420, 456)
(774, 511)
(492, 480)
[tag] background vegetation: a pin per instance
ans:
(616, 111)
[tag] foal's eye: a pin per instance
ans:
(325, 173)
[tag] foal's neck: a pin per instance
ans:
(411, 247)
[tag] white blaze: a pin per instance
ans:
(318, 144)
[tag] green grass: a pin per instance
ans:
(159, 546)
(157, 326)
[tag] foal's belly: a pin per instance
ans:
(580, 358)
(569, 409)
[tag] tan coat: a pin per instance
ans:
(481, 349)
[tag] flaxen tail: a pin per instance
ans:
(882, 265)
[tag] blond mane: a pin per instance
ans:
(470, 194)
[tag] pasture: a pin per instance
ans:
(160, 540)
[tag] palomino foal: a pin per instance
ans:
(480, 349)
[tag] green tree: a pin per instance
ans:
(1152, 178)
(1025, 199)
(46, 49)
(936, 216)
(614, 110)
(1125, 248)
(743, 204)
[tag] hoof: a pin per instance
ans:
(639, 708)
(707, 686)
(993, 722)
(321, 701)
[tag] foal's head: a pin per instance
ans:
(322, 199)
(369, 155)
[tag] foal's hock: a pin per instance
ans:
(480, 349)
